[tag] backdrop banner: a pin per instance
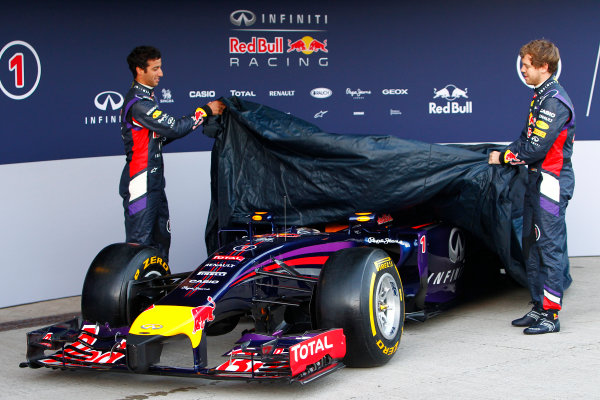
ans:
(437, 71)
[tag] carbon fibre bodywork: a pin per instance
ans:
(271, 278)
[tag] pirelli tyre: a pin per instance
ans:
(360, 291)
(105, 297)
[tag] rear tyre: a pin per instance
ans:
(105, 298)
(360, 291)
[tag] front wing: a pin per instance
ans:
(77, 344)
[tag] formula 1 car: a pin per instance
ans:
(319, 299)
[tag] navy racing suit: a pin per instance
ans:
(546, 146)
(145, 129)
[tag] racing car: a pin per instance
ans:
(318, 298)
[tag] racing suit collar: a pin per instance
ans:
(145, 89)
(541, 88)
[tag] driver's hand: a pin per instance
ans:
(494, 157)
(216, 107)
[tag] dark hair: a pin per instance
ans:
(542, 52)
(139, 58)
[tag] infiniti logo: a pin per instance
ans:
(456, 246)
(240, 17)
(102, 99)
(244, 247)
(151, 326)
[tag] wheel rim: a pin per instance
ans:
(387, 306)
(136, 305)
(151, 274)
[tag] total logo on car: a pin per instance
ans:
(297, 284)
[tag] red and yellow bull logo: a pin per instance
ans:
(512, 158)
(202, 314)
(307, 45)
(200, 113)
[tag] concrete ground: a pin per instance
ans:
(469, 352)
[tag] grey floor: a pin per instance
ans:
(469, 352)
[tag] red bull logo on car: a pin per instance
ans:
(202, 314)
(450, 93)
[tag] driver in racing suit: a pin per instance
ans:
(546, 146)
(145, 129)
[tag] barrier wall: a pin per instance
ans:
(433, 71)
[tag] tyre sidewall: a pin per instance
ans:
(379, 265)
(105, 289)
(345, 298)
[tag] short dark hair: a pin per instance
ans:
(139, 58)
(542, 52)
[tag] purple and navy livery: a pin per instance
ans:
(270, 278)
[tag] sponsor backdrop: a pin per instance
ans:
(435, 71)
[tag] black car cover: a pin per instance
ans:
(266, 160)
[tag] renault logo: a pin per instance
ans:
(103, 99)
(240, 17)
(456, 246)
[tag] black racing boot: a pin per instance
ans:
(547, 323)
(531, 318)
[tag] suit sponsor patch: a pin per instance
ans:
(542, 125)
(540, 133)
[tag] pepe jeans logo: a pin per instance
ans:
(357, 94)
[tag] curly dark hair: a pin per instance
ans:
(139, 58)
(542, 51)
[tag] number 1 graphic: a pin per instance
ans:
(16, 64)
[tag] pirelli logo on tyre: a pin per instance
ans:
(387, 350)
(149, 262)
(383, 263)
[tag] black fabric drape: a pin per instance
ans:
(261, 155)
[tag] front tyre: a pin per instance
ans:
(360, 291)
(105, 297)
